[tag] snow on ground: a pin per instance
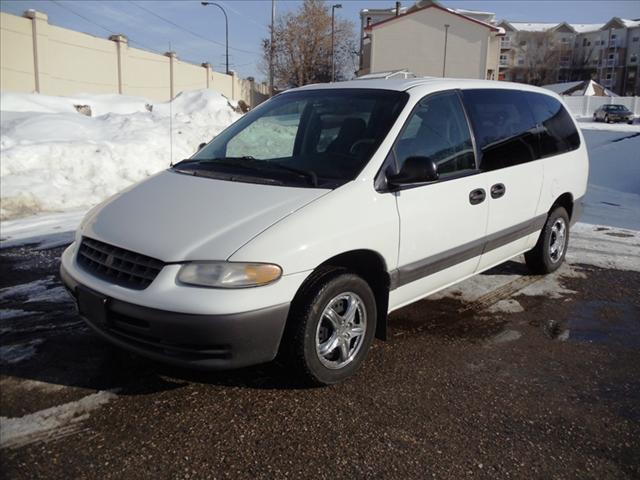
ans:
(613, 196)
(51, 423)
(56, 159)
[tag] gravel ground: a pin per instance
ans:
(513, 386)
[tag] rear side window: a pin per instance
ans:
(513, 127)
(504, 126)
(557, 131)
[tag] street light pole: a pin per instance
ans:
(226, 25)
(444, 59)
(333, 56)
(272, 46)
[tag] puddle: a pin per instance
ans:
(606, 322)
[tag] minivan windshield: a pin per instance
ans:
(310, 138)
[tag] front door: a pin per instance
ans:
(442, 224)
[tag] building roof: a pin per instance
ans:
(580, 88)
(630, 23)
(444, 9)
(533, 27)
(586, 27)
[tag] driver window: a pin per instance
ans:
(438, 130)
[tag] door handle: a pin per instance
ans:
(477, 196)
(498, 190)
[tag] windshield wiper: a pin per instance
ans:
(251, 163)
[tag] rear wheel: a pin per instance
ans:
(606, 119)
(331, 328)
(549, 252)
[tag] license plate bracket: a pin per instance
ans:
(92, 306)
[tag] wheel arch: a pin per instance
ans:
(368, 264)
(565, 200)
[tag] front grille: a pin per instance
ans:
(117, 265)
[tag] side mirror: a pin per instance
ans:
(414, 170)
(202, 145)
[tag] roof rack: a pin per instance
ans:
(403, 74)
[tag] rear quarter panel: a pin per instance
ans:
(565, 173)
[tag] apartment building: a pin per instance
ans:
(430, 40)
(543, 53)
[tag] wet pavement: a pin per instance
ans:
(537, 377)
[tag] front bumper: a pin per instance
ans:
(222, 341)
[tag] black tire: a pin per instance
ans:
(540, 259)
(595, 118)
(606, 119)
(298, 350)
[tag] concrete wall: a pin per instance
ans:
(416, 42)
(39, 57)
(16, 54)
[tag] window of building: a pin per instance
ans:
(635, 39)
(520, 61)
(523, 43)
(584, 42)
(608, 76)
(633, 58)
(613, 36)
(438, 130)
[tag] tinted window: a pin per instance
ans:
(557, 131)
(438, 130)
(504, 126)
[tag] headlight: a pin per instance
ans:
(229, 274)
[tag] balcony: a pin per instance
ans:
(504, 62)
(505, 44)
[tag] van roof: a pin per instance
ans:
(403, 84)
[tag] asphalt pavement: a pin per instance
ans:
(536, 378)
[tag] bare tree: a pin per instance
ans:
(538, 58)
(302, 46)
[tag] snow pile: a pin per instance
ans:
(56, 159)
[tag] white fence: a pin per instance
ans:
(584, 106)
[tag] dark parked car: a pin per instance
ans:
(613, 113)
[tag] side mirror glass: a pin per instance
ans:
(415, 170)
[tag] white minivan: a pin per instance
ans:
(301, 226)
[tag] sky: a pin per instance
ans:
(197, 33)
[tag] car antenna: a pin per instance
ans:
(170, 122)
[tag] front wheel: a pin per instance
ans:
(331, 327)
(549, 252)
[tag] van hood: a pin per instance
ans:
(175, 217)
